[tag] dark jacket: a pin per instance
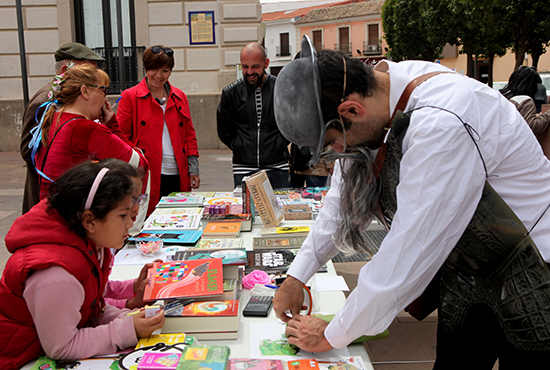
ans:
(238, 129)
(38, 240)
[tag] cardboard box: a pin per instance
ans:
(264, 199)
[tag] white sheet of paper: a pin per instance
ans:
(274, 331)
(330, 283)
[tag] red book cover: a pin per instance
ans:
(191, 278)
(211, 308)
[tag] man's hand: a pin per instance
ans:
(144, 326)
(308, 333)
(194, 181)
(290, 296)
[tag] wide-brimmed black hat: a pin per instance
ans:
(77, 51)
(297, 102)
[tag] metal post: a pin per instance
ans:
(122, 75)
(22, 53)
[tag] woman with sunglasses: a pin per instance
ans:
(70, 133)
(155, 116)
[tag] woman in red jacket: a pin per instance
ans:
(155, 116)
(70, 134)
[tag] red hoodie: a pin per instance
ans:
(38, 240)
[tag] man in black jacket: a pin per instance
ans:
(246, 121)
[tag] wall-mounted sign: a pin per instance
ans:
(201, 28)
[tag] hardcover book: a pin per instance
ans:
(264, 199)
(172, 222)
(285, 230)
(193, 278)
(166, 339)
(219, 244)
(181, 201)
(342, 363)
(269, 242)
(222, 229)
(272, 261)
(204, 358)
(254, 364)
(188, 237)
(159, 361)
(297, 212)
(179, 211)
(244, 218)
(303, 364)
(227, 256)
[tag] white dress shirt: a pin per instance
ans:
(441, 180)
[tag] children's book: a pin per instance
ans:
(185, 237)
(219, 244)
(166, 339)
(222, 229)
(303, 364)
(285, 231)
(181, 201)
(244, 218)
(228, 256)
(159, 361)
(272, 261)
(254, 364)
(342, 363)
(179, 211)
(268, 242)
(206, 194)
(172, 222)
(232, 204)
(177, 279)
(204, 358)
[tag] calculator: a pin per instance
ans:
(258, 305)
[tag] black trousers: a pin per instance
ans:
(479, 343)
(169, 184)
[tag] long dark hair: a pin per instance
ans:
(68, 195)
(523, 81)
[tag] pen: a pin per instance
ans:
(116, 102)
(271, 286)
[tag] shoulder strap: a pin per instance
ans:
(39, 171)
(401, 105)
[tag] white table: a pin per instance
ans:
(327, 302)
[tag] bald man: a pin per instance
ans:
(246, 121)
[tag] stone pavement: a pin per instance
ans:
(411, 344)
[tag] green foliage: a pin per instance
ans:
(416, 29)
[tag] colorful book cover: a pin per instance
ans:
(181, 201)
(211, 308)
(228, 256)
(194, 278)
(206, 194)
(219, 244)
(303, 364)
(179, 211)
(223, 199)
(285, 230)
(204, 358)
(268, 242)
(222, 229)
(172, 222)
(179, 236)
(342, 363)
(166, 339)
(159, 361)
(272, 261)
(254, 364)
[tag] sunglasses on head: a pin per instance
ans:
(157, 49)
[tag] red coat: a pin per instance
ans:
(140, 118)
(39, 240)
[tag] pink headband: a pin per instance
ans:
(94, 187)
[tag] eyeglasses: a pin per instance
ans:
(104, 88)
(139, 200)
(157, 49)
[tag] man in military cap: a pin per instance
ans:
(71, 52)
(451, 169)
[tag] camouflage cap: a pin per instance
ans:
(75, 50)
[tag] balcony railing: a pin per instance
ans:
(371, 49)
(344, 47)
(133, 66)
(284, 51)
